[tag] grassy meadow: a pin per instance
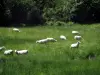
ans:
(53, 58)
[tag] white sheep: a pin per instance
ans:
(75, 32)
(8, 52)
(3, 47)
(21, 51)
(16, 30)
(75, 45)
(62, 37)
(42, 41)
(77, 37)
(51, 39)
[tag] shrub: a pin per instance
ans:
(56, 23)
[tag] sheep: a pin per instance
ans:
(62, 37)
(90, 56)
(16, 30)
(21, 51)
(75, 45)
(8, 52)
(77, 37)
(51, 39)
(42, 41)
(75, 32)
(3, 47)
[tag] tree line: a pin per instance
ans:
(41, 11)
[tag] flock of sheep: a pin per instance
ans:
(62, 37)
(9, 52)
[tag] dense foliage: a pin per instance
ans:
(41, 11)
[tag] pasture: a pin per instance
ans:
(53, 58)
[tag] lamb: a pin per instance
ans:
(75, 45)
(16, 30)
(21, 51)
(51, 39)
(42, 41)
(77, 37)
(3, 47)
(75, 32)
(62, 37)
(8, 52)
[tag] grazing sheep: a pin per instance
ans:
(42, 41)
(77, 37)
(16, 30)
(51, 39)
(21, 51)
(62, 37)
(75, 32)
(91, 56)
(3, 47)
(75, 45)
(8, 52)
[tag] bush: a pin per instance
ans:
(56, 23)
(61, 12)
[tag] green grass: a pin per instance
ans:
(53, 58)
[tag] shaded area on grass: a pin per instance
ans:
(10, 40)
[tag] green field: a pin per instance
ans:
(53, 58)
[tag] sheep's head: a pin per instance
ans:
(37, 41)
(15, 51)
(78, 42)
(55, 40)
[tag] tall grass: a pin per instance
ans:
(54, 58)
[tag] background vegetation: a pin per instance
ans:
(41, 11)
